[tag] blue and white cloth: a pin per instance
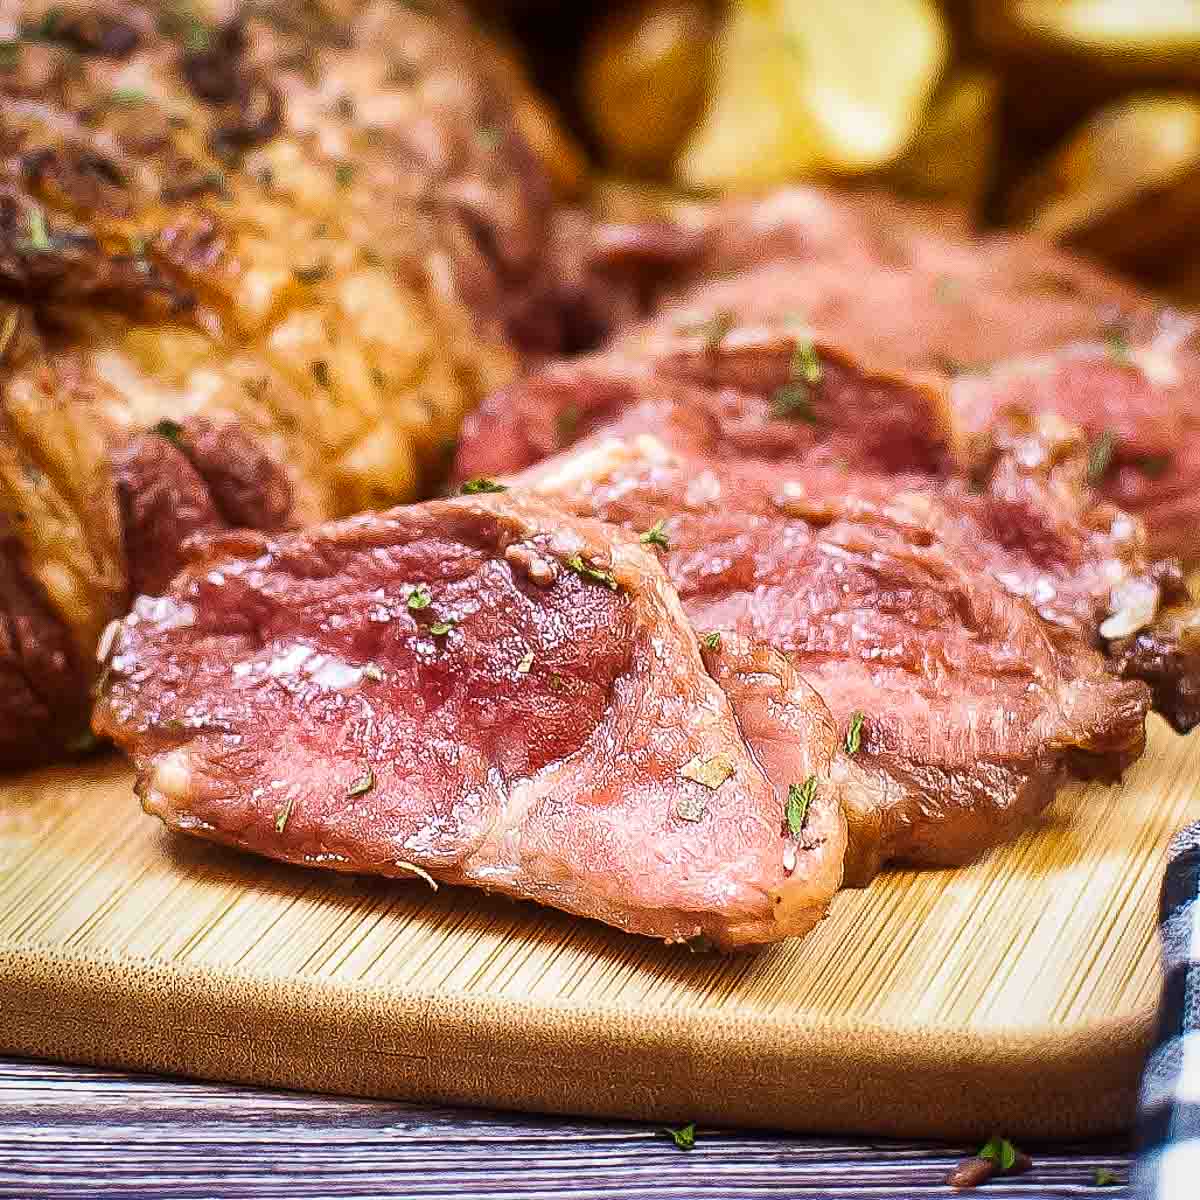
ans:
(1168, 1152)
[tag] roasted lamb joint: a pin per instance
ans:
(308, 236)
(486, 691)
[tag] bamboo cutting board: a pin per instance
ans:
(1017, 994)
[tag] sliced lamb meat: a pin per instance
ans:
(911, 293)
(763, 389)
(488, 691)
(895, 600)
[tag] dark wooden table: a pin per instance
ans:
(72, 1131)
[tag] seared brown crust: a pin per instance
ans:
(178, 482)
(44, 700)
(1166, 655)
(247, 485)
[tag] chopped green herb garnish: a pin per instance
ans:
(526, 663)
(281, 817)
(800, 796)
(137, 247)
(1153, 466)
(568, 423)
(656, 535)
(1105, 1177)
(39, 237)
(419, 598)
(685, 1138)
(1117, 345)
(792, 401)
(711, 772)
(363, 784)
(712, 330)
(177, 19)
(443, 627)
(1000, 1151)
(948, 366)
(947, 289)
(46, 28)
(577, 564)
(854, 733)
(1100, 455)
(10, 55)
(488, 136)
(712, 640)
(320, 372)
(806, 366)
(313, 274)
(343, 174)
(374, 672)
(481, 485)
(127, 97)
(171, 430)
(196, 37)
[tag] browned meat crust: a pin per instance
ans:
(164, 500)
(44, 698)
(1166, 655)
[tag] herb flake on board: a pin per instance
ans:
(684, 1138)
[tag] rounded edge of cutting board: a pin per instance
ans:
(797, 1073)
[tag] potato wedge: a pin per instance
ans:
(807, 86)
(645, 73)
(1125, 186)
(1129, 35)
(950, 159)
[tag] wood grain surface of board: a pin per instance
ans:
(1017, 993)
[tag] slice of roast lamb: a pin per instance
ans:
(895, 599)
(772, 388)
(487, 691)
(913, 292)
